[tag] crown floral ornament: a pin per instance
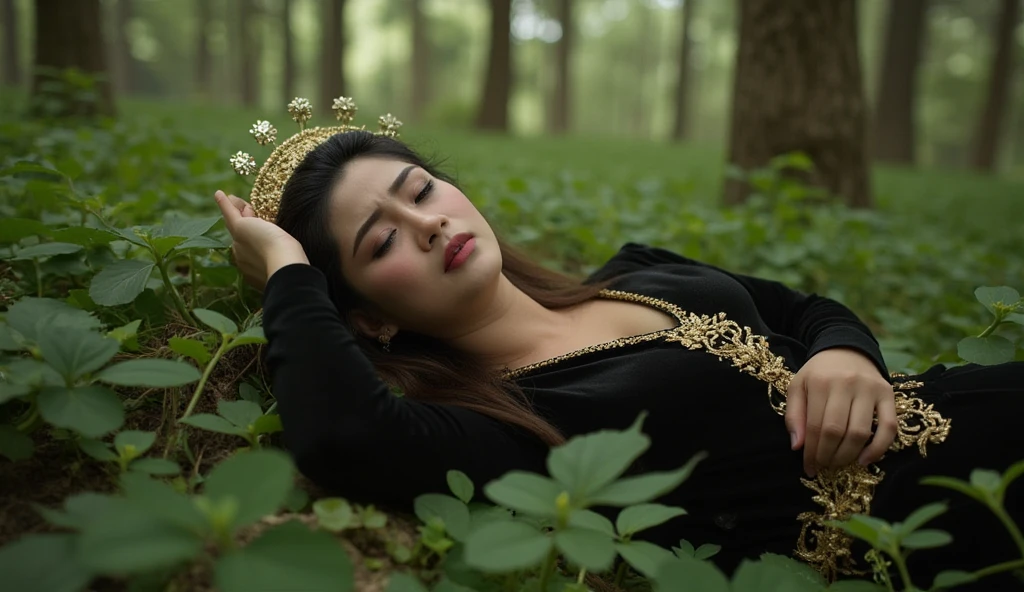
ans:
(286, 156)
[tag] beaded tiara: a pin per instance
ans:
(279, 166)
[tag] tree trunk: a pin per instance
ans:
(288, 55)
(894, 119)
(639, 96)
(563, 75)
(124, 63)
(493, 113)
(12, 41)
(204, 65)
(421, 90)
(332, 76)
(1000, 82)
(798, 87)
(679, 128)
(69, 35)
(248, 19)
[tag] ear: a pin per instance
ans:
(371, 326)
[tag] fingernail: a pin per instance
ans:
(219, 194)
(792, 439)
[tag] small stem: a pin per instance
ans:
(1010, 526)
(988, 330)
(549, 567)
(39, 278)
(192, 279)
(30, 419)
(583, 574)
(999, 567)
(620, 574)
(175, 296)
(206, 376)
(901, 565)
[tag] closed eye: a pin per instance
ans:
(425, 192)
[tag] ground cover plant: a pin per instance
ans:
(138, 433)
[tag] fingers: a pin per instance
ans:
(884, 434)
(858, 431)
(796, 413)
(815, 418)
(227, 208)
(834, 425)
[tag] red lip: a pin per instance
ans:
(454, 246)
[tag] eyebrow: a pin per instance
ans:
(375, 216)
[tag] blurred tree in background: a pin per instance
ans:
(895, 116)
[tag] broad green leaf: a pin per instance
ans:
(956, 485)
(791, 566)
(643, 516)
(155, 466)
(248, 392)
(525, 492)
(96, 449)
(192, 348)
(450, 510)
(82, 235)
(267, 424)
(79, 298)
(685, 548)
(862, 529)
(9, 340)
(586, 548)
(135, 235)
(214, 423)
(1015, 317)
(505, 546)
(990, 296)
(30, 315)
(25, 166)
(43, 563)
(242, 414)
(288, 556)
(248, 337)
(80, 510)
(186, 227)
(986, 480)
(89, 410)
(333, 513)
(592, 520)
(13, 230)
(73, 353)
(130, 540)
(33, 373)
(216, 321)
(201, 242)
(140, 441)
(646, 558)
(10, 392)
(460, 485)
(127, 335)
(401, 582)
(643, 488)
(121, 282)
(160, 500)
(856, 586)
(164, 244)
(686, 573)
(926, 539)
(46, 250)
(587, 463)
(14, 444)
(920, 516)
(706, 551)
(987, 351)
(373, 518)
(150, 372)
(763, 576)
(260, 480)
(951, 578)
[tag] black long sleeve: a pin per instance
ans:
(343, 426)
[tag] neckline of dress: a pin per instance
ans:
(657, 303)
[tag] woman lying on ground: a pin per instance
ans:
(380, 273)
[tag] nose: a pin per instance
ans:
(431, 227)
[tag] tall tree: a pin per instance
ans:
(894, 116)
(680, 124)
(124, 64)
(420, 63)
(288, 53)
(70, 37)
(1000, 83)
(204, 61)
(493, 111)
(798, 87)
(332, 75)
(12, 54)
(563, 75)
(249, 51)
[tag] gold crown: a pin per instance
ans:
(275, 172)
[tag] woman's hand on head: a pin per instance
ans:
(831, 408)
(260, 248)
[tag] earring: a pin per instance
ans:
(385, 340)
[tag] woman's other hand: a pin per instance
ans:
(831, 407)
(260, 248)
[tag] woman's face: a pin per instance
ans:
(398, 229)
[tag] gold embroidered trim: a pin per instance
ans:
(840, 492)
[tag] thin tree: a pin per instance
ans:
(332, 75)
(288, 53)
(420, 76)
(563, 87)
(203, 65)
(11, 45)
(249, 50)
(124, 63)
(798, 87)
(70, 36)
(894, 117)
(683, 77)
(493, 111)
(1000, 83)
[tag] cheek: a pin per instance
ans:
(393, 278)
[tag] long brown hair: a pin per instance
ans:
(422, 367)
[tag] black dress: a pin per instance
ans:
(713, 383)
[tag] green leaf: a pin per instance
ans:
(248, 392)
(504, 546)
(926, 539)
(150, 372)
(43, 563)
(10, 392)
(248, 337)
(13, 230)
(920, 517)
(80, 510)
(646, 558)
(96, 449)
(134, 235)
(643, 488)
(525, 492)
(214, 423)
(288, 556)
(951, 578)
(686, 573)
(685, 549)
(333, 513)
(89, 410)
(155, 466)
(163, 245)
(586, 548)
(706, 551)
(856, 586)
(643, 516)
(267, 424)
(260, 480)
(592, 520)
(242, 414)
(216, 321)
(986, 480)
(451, 511)
(30, 167)
(33, 373)
(201, 242)
(73, 353)
(400, 582)
(460, 485)
(120, 282)
(192, 348)
(10, 340)
(791, 566)
(140, 441)
(987, 351)
(866, 530)
(82, 235)
(160, 500)
(129, 540)
(186, 227)
(990, 296)
(587, 463)
(761, 576)
(372, 518)
(956, 485)
(14, 444)
(127, 335)
(45, 250)
(29, 316)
